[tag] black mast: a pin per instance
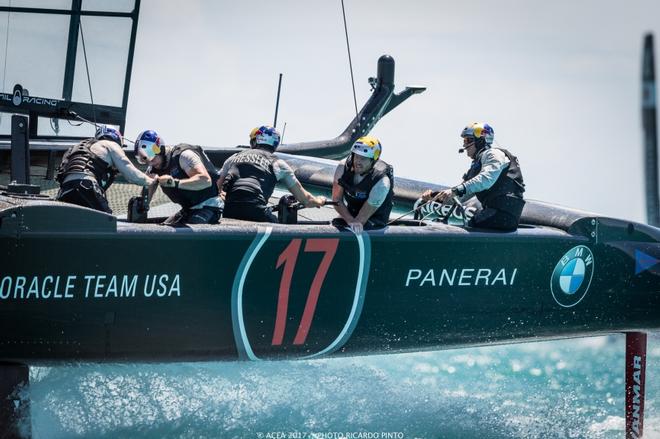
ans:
(649, 114)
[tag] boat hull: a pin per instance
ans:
(128, 292)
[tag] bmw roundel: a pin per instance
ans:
(572, 275)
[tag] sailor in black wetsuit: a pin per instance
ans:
(186, 175)
(494, 178)
(248, 179)
(363, 187)
(89, 168)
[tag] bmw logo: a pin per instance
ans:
(572, 275)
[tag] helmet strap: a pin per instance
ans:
(479, 143)
(265, 147)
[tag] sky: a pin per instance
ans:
(559, 81)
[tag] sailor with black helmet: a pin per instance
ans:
(248, 179)
(89, 168)
(363, 186)
(494, 178)
(185, 174)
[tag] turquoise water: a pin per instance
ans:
(558, 389)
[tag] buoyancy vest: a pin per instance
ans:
(509, 184)
(80, 159)
(187, 198)
(251, 177)
(356, 195)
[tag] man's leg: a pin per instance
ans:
(176, 220)
(84, 193)
(249, 212)
(205, 215)
(490, 218)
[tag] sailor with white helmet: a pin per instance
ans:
(249, 177)
(494, 178)
(89, 168)
(185, 174)
(363, 186)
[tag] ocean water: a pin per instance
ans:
(556, 389)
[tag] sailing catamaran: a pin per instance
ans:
(69, 290)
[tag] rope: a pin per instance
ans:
(89, 81)
(350, 62)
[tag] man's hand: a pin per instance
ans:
(447, 194)
(317, 201)
(166, 180)
(427, 195)
(356, 226)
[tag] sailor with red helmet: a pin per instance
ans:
(494, 178)
(363, 186)
(185, 174)
(248, 179)
(89, 168)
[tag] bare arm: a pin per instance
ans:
(198, 176)
(338, 196)
(340, 207)
(285, 175)
(365, 213)
(305, 197)
(153, 187)
(125, 167)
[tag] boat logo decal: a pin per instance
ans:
(440, 210)
(21, 96)
(644, 261)
(572, 276)
(296, 297)
(18, 96)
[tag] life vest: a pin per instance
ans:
(80, 159)
(507, 192)
(187, 198)
(251, 177)
(356, 195)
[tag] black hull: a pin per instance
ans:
(77, 285)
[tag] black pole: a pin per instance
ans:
(649, 114)
(129, 62)
(20, 150)
(71, 50)
(277, 102)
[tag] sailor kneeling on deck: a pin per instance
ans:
(363, 187)
(494, 178)
(185, 174)
(89, 168)
(248, 179)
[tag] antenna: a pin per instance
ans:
(277, 102)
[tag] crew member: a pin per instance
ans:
(363, 186)
(185, 174)
(89, 168)
(248, 179)
(494, 178)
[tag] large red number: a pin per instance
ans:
(289, 258)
